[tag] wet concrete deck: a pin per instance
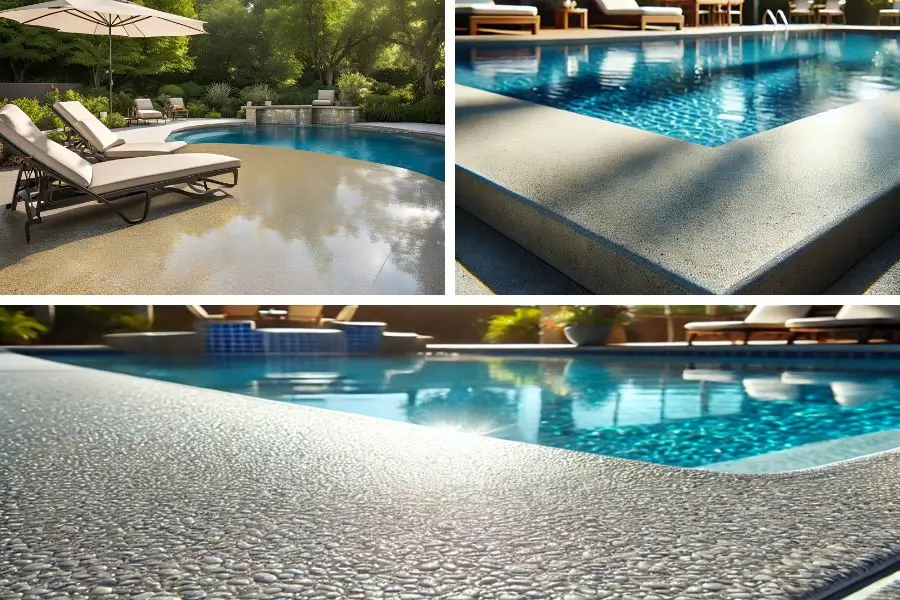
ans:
(297, 223)
(116, 486)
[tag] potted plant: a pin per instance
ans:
(591, 325)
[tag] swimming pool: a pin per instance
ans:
(680, 414)
(705, 90)
(405, 151)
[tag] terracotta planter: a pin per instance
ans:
(588, 335)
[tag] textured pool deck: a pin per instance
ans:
(118, 487)
(297, 223)
(621, 210)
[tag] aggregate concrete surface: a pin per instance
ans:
(119, 487)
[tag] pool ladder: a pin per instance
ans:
(771, 16)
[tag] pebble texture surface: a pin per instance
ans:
(118, 487)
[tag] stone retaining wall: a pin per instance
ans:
(303, 115)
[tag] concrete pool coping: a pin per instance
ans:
(622, 210)
(231, 494)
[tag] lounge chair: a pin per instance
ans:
(890, 14)
(471, 15)
(176, 107)
(861, 321)
(324, 98)
(305, 315)
(52, 176)
(143, 110)
(801, 10)
(94, 140)
(833, 9)
(344, 315)
(761, 319)
(628, 12)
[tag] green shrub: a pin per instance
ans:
(395, 76)
(122, 102)
(257, 94)
(231, 109)
(114, 120)
(213, 115)
(58, 135)
(18, 328)
(218, 94)
(191, 90)
(296, 95)
(521, 327)
(170, 90)
(382, 108)
(88, 324)
(241, 113)
(353, 87)
(39, 113)
(405, 94)
(196, 108)
(427, 110)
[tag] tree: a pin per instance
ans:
(323, 33)
(237, 49)
(90, 53)
(16, 327)
(418, 27)
(24, 46)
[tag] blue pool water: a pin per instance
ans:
(672, 413)
(709, 91)
(408, 152)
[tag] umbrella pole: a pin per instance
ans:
(109, 108)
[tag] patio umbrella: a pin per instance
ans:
(104, 17)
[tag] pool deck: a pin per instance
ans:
(621, 210)
(120, 487)
(297, 223)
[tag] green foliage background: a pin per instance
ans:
(294, 47)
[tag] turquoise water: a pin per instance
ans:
(709, 90)
(412, 153)
(682, 414)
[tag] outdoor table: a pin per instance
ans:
(563, 14)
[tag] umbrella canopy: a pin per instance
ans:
(104, 17)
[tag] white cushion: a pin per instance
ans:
(496, 9)
(18, 128)
(133, 149)
(776, 314)
(149, 114)
(467, 2)
(890, 11)
(322, 102)
(855, 311)
(177, 103)
(122, 174)
(87, 125)
(326, 95)
(143, 104)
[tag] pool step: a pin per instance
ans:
(621, 210)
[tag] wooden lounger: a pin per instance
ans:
(476, 22)
(762, 319)
(629, 13)
(863, 322)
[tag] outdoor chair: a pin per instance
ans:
(344, 315)
(309, 316)
(95, 141)
(324, 98)
(52, 176)
(860, 321)
(801, 10)
(143, 110)
(628, 12)
(890, 14)
(833, 9)
(175, 108)
(472, 15)
(761, 319)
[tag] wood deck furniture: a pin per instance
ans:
(477, 23)
(629, 13)
(563, 15)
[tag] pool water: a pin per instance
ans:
(708, 91)
(408, 152)
(681, 414)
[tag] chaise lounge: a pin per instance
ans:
(94, 140)
(761, 319)
(52, 176)
(472, 15)
(629, 13)
(324, 98)
(861, 321)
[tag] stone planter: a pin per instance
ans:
(267, 103)
(588, 335)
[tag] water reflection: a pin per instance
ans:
(678, 414)
(709, 91)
